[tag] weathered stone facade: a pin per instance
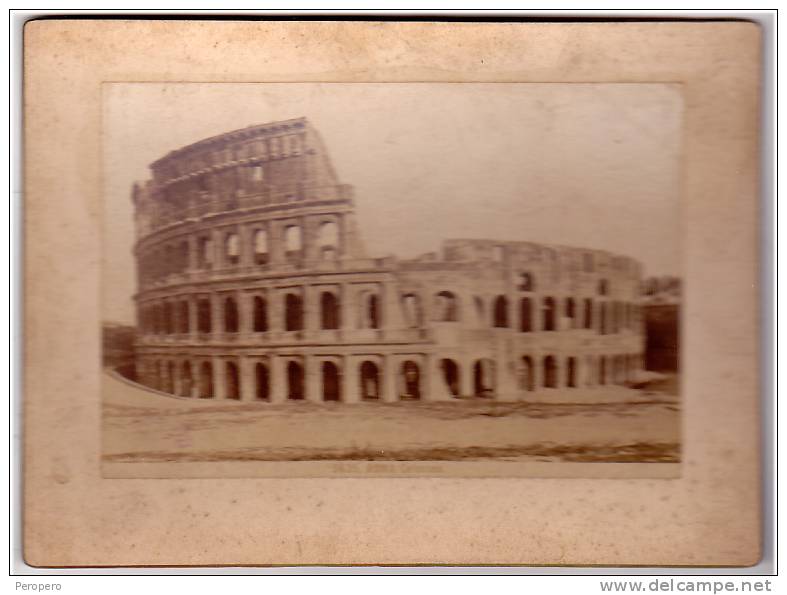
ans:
(254, 284)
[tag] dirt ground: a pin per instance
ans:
(613, 424)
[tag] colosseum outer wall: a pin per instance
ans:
(254, 285)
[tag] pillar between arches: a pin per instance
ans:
(351, 379)
(247, 380)
(219, 378)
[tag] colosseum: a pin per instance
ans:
(254, 284)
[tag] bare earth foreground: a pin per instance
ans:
(611, 424)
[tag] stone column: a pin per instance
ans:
(278, 379)
(311, 309)
(218, 249)
(216, 315)
(388, 380)
(351, 380)
(193, 253)
(391, 308)
(312, 378)
(245, 314)
(246, 248)
(275, 302)
(348, 311)
(438, 388)
(219, 380)
(246, 372)
(466, 386)
(193, 331)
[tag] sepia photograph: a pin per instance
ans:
(306, 294)
(391, 278)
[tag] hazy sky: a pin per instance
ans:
(589, 165)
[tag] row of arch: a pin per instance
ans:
(173, 317)
(548, 371)
(227, 250)
(607, 317)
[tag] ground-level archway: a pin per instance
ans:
(331, 382)
(451, 375)
(262, 378)
(370, 380)
(411, 376)
(206, 381)
(295, 387)
(484, 377)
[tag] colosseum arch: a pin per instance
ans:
(525, 315)
(369, 374)
(262, 382)
(230, 315)
(588, 313)
(410, 375)
(204, 252)
(293, 242)
(206, 380)
(500, 312)
(260, 246)
(260, 314)
(549, 314)
(484, 384)
(186, 379)
(413, 312)
(231, 249)
(571, 372)
(295, 381)
(370, 310)
(204, 316)
(232, 380)
(329, 311)
(331, 382)
(328, 240)
(550, 372)
(450, 371)
(527, 374)
(293, 312)
(446, 307)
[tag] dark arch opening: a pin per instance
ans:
(411, 375)
(446, 307)
(525, 315)
(528, 379)
(550, 372)
(329, 311)
(571, 372)
(294, 381)
(602, 370)
(186, 380)
(588, 313)
(451, 375)
(484, 377)
(232, 381)
(373, 311)
(230, 315)
(501, 312)
(331, 382)
(260, 314)
(203, 316)
(293, 305)
(370, 380)
(549, 314)
(262, 378)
